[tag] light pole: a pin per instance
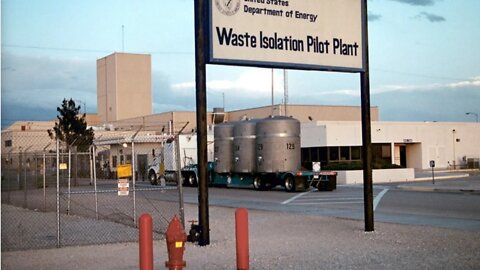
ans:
(472, 113)
(454, 156)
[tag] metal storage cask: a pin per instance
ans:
(244, 146)
(278, 144)
(223, 147)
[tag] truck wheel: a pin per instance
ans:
(192, 180)
(258, 184)
(152, 176)
(184, 180)
(289, 183)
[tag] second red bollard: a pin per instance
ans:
(241, 231)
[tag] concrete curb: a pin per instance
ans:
(443, 177)
(440, 189)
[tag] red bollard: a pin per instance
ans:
(146, 242)
(241, 231)
(176, 238)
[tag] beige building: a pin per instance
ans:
(305, 113)
(172, 122)
(124, 86)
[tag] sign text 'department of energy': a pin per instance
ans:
(301, 34)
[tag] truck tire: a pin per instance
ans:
(192, 180)
(258, 183)
(152, 176)
(289, 183)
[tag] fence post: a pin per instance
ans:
(25, 204)
(69, 178)
(58, 194)
(9, 186)
(90, 150)
(19, 167)
(25, 184)
(179, 179)
(94, 153)
(133, 184)
(44, 184)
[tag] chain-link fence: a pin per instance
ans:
(54, 195)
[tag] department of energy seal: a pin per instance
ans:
(228, 7)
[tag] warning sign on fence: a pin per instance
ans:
(123, 187)
(124, 171)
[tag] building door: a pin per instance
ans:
(142, 160)
(403, 156)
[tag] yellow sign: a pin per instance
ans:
(63, 166)
(124, 171)
(178, 244)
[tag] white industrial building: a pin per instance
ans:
(408, 144)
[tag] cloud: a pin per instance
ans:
(473, 83)
(45, 81)
(373, 17)
(417, 2)
(257, 82)
(433, 18)
(441, 105)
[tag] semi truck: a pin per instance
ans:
(262, 154)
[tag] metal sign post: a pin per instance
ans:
(366, 130)
(201, 101)
(432, 165)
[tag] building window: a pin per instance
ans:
(314, 154)
(114, 161)
(8, 143)
(356, 152)
(333, 153)
(345, 153)
(323, 151)
(386, 151)
(306, 154)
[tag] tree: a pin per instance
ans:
(71, 128)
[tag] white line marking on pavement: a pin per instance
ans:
(377, 199)
(330, 199)
(323, 203)
(297, 196)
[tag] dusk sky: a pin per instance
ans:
(424, 59)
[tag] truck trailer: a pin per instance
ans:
(262, 154)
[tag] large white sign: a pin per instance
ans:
(302, 34)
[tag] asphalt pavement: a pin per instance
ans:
(282, 240)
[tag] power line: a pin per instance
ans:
(84, 50)
(16, 46)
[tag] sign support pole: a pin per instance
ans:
(366, 131)
(201, 101)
